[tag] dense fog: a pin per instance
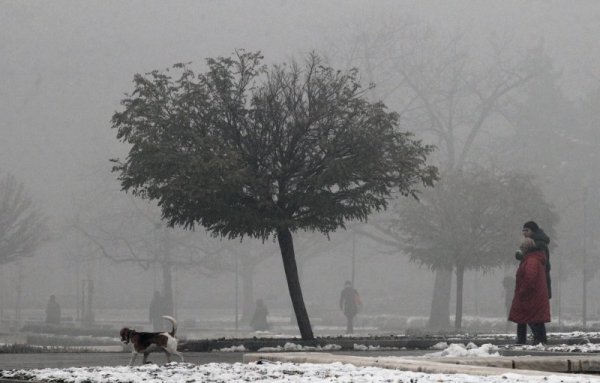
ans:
(529, 69)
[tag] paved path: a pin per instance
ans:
(527, 365)
(86, 359)
(81, 359)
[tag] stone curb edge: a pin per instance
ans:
(420, 365)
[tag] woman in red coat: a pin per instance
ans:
(531, 304)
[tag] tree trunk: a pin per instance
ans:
(286, 244)
(439, 316)
(460, 277)
(247, 275)
(168, 287)
(88, 309)
(301, 263)
(167, 273)
(19, 297)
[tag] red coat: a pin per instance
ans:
(531, 303)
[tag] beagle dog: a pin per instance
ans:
(146, 342)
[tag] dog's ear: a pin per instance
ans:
(124, 333)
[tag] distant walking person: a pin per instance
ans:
(531, 305)
(350, 302)
(52, 311)
(157, 310)
(259, 319)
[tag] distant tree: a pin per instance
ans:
(557, 138)
(244, 150)
(470, 221)
(132, 233)
(243, 259)
(22, 225)
(127, 230)
(588, 142)
(451, 94)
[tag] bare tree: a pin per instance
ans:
(22, 226)
(451, 95)
(128, 230)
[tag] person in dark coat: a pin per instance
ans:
(53, 311)
(531, 305)
(259, 319)
(349, 303)
(542, 241)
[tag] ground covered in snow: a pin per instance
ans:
(265, 372)
(285, 372)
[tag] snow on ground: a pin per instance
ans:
(460, 350)
(583, 348)
(296, 347)
(362, 347)
(446, 350)
(266, 373)
(551, 335)
(287, 372)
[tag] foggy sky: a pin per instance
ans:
(65, 65)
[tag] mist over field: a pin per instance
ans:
(521, 76)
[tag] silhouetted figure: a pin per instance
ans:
(52, 311)
(259, 319)
(349, 303)
(157, 310)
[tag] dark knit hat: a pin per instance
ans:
(531, 226)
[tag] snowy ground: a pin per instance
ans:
(267, 372)
(288, 372)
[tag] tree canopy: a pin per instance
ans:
(479, 216)
(482, 215)
(247, 150)
(243, 150)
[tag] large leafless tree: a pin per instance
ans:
(452, 95)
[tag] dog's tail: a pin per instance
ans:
(173, 322)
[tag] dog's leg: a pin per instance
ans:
(180, 355)
(146, 357)
(133, 356)
(171, 347)
(168, 354)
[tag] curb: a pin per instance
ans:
(535, 366)
(347, 343)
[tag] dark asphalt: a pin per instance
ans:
(87, 359)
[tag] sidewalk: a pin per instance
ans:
(524, 365)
